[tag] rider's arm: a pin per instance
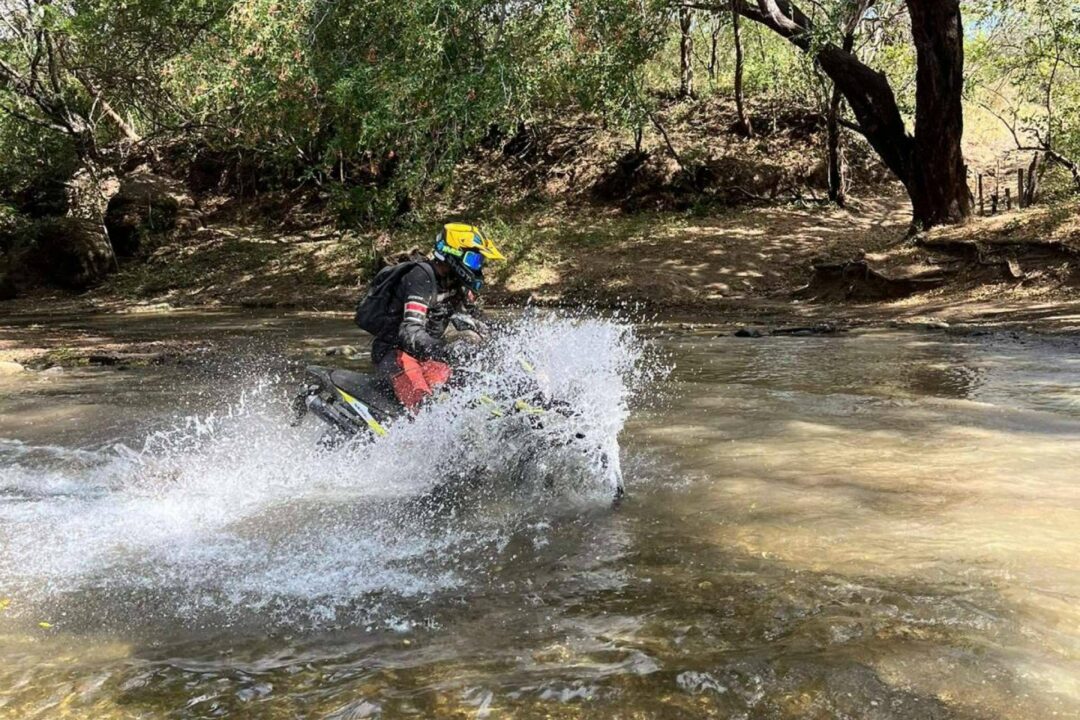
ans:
(420, 295)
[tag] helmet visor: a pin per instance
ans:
(472, 260)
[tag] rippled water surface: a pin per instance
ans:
(878, 524)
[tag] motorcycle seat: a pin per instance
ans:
(373, 391)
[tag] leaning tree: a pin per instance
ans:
(929, 161)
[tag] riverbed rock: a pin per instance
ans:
(102, 359)
(147, 309)
(89, 190)
(1012, 266)
(71, 252)
(825, 328)
(147, 204)
(343, 351)
(11, 368)
(857, 280)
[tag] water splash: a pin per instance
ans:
(234, 513)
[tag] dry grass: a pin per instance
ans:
(1059, 223)
(662, 236)
(1043, 243)
(738, 265)
(248, 265)
(579, 162)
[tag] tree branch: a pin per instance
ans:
(867, 91)
(854, 127)
(667, 140)
(31, 120)
(122, 124)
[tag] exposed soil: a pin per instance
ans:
(668, 260)
(750, 271)
(692, 158)
(704, 225)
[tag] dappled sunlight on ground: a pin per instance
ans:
(679, 259)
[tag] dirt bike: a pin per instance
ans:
(362, 407)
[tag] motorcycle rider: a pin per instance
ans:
(412, 349)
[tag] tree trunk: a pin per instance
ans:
(744, 127)
(686, 54)
(1034, 175)
(930, 163)
(835, 153)
(874, 105)
(714, 37)
(938, 186)
(837, 170)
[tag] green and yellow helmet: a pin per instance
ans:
(466, 250)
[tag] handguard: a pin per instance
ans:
(467, 323)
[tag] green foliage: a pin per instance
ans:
(34, 161)
(9, 225)
(377, 102)
(84, 67)
(608, 58)
(774, 68)
(384, 97)
(777, 71)
(1025, 68)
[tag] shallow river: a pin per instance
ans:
(873, 525)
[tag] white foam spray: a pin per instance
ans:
(235, 512)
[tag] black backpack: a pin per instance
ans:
(373, 310)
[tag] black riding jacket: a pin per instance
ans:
(420, 310)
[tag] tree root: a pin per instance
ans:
(856, 280)
(997, 260)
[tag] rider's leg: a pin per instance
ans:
(409, 383)
(435, 373)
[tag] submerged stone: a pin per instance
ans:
(11, 368)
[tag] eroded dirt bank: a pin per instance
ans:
(787, 269)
